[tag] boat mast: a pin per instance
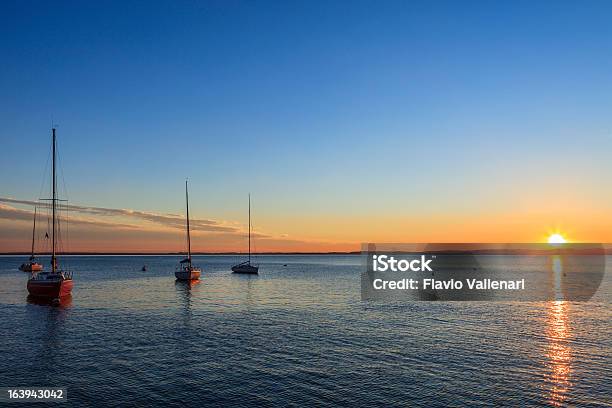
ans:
(249, 228)
(33, 232)
(53, 200)
(188, 235)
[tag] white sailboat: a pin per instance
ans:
(32, 265)
(186, 270)
(246, 267)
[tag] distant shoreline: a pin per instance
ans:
(606, 250)
(178, 253)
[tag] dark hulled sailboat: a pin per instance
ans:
(246, 267)
(186, 270)
(57, 283)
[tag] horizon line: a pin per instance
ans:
(183, 253)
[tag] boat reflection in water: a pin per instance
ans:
(63, 302)
(184, 291)
(558, 333)
(186, 284)
(51, 358)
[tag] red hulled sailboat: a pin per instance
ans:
(56, 283)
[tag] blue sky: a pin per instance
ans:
(479, 107)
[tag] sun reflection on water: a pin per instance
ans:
(559, 352)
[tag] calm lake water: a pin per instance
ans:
(297, 334)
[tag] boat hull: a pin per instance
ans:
(247, 269)
(51, 289)
(31, 267)
(187, 275)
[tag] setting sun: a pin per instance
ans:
(556, 239)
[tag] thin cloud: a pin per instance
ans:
(167, 220)
(16, 214)
(89, 233)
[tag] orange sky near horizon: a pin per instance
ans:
(313, 233)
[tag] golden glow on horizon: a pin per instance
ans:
(309, 233)
(556, 239)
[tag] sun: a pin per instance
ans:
(556, 239)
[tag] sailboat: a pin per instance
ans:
(32, 266)
(57, 283)
(246, 267)
(186, 270)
